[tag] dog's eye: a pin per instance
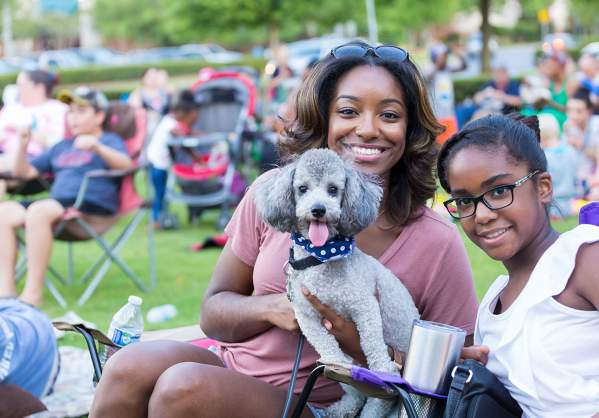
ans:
(303, 189)
(333, 190)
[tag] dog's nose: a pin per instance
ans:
(318, 211)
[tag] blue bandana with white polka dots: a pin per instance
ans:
(334, 249)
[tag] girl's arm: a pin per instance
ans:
(231, 313)
(115, 159)
(586, 273)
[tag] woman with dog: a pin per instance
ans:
(368, 104)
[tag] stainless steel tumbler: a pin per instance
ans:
(433, 352)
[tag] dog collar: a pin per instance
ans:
(338, 247)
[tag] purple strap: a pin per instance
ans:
(363, 375)
(589, 214)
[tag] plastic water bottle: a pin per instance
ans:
(161, 313)
(126, 327)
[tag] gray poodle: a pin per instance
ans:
(323, 201)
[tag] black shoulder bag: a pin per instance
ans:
(475, 392)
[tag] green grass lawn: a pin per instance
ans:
(182, 274)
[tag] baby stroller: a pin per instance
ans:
(206, 167)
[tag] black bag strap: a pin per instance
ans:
(470, 380)
(461, 376)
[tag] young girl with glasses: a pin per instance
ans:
(539, 324)
(367, 104)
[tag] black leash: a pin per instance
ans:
(296, 363)
(304, 263)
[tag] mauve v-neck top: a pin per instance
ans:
(428, 256)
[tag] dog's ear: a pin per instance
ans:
(275, 200)
(360, 203)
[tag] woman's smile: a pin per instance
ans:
(366, 153)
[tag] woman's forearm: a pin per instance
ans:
(230, 317)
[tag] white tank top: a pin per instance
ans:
(546, 354)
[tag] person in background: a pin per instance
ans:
(440, 86)
(499, 95)
(153, 95)
(180, 121)
(589, 78)
(281, 86)
(552, 69)
(34, 109)
(68, 161)
(581, 131)
(562, 164)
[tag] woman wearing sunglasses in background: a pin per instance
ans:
(367, 104)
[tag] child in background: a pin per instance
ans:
(68, 161)
(562, 164)
(537, 324)
(183, 116)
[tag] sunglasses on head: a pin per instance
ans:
(386, 52)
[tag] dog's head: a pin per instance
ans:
(319, 196)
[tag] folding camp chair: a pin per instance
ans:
(74, 228)
(95, 339)
(416, 404)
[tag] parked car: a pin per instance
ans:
(101, 56)
(152, 55)
(168, 53)
(60, 58)
(21, 62)
(212, 53)
(301, 53)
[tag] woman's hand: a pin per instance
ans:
(281, 314)
(344, 331)
(479, 353)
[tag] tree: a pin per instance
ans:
(485, 27)
(139, 20)
(398, 18)
(267, 17)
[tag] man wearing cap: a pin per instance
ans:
(90, 148)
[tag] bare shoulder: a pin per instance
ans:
(586, 272)
(587, 259)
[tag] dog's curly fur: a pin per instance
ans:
(357, 287)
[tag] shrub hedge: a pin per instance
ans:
(94, 74)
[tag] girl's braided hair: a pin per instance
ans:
(519, 136)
